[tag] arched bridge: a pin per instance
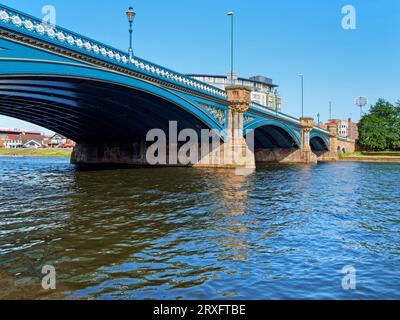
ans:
(95, 94)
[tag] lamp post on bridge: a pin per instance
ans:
(131, 16)
(302, 94)
(230, 13)
(318, 116)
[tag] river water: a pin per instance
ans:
(284, 232)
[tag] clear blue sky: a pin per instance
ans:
(278, 39)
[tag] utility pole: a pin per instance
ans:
(232, 48)
(302, 94)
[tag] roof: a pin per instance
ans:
(18, 131)
(30, 142)
(29, 137)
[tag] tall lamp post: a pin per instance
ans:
(131, 16)
(231, 15)
(318, 116)
(302, 94)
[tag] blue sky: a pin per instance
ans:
(278, 39)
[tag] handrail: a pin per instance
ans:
(18, 21)
(282, 115)
(274, 112)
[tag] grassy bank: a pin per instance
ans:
(35, 153)
(370, 157)
(377, 155)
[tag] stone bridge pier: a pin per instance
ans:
(337, 146)
(306, 154)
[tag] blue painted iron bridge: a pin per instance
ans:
(95, 95)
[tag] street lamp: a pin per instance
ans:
(131, 16)
(302, 94)
(318, 116)
(231, 15)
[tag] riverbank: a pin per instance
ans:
(66, 153)
(382, 157)
(35, 152)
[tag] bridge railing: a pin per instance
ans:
(15, 20)
(274, 113)
(281, 115)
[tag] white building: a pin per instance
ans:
(264, 92)
(13, 144)
(343, 129)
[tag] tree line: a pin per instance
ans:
(379, 130)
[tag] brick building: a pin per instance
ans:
(345, 128)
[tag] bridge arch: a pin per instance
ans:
(319, 142)
(91, 104)
(269, 134)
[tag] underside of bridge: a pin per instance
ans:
(89, 111)
(318, 145)
(271, 137)
(276, 144)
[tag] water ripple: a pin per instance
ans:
(176, 233)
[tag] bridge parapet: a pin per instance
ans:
(15, 21)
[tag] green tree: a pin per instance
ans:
(380, 129)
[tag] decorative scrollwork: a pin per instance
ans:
(217, 113)
(247, 118)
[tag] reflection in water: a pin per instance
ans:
(171, 233)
